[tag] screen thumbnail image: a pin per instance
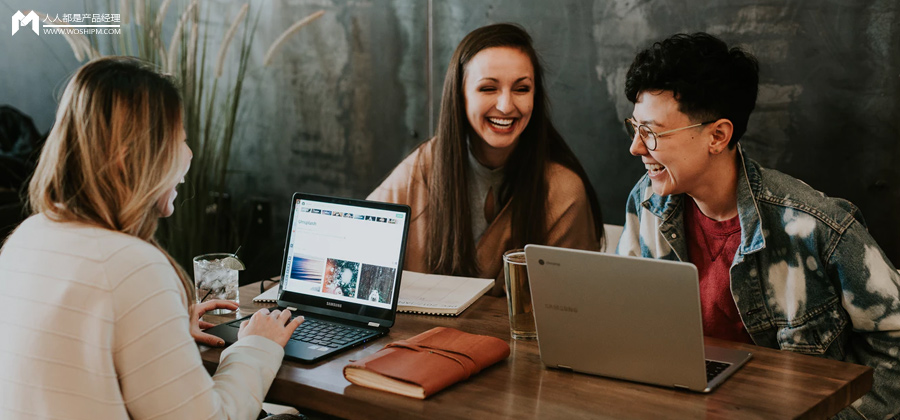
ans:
(376, 283)
(308, 270)
(341, 277)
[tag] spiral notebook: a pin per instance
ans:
(433, 294)
(429, 294)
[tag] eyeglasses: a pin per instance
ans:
(648, 136)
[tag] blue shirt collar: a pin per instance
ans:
(752, 237)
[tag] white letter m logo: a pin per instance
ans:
(19, 19)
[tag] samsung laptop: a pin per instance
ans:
(341, 270)
(630, 318)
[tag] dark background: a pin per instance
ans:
(352, 93)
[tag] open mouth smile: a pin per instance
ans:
(654, 169)
(501, 125)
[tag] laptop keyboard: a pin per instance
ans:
(713, 369)
(324, 333)
(329, 334)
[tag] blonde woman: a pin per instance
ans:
(96, 318)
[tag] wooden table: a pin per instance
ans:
(774, 384)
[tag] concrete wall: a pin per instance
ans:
(348, 97)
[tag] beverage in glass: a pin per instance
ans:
(518, 295)
(216, 278)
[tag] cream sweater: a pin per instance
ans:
(93, 326)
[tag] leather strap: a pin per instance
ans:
(465, 362)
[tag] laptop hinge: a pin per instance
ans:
(681, 387)
(292, 308)
(374, 324)
(564, 367)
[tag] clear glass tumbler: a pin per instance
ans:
(518, 295)
(215, 280)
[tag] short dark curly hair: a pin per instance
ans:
(708, 79)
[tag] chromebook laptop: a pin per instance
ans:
(624, 317)
(341, 270)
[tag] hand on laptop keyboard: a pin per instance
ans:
(276, 325)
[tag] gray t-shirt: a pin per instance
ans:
(481, 179)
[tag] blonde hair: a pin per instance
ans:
(113, 152)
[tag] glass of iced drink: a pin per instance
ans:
(216, 277)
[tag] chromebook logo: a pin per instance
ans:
(19, 20)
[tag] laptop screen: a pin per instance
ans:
(344, 255)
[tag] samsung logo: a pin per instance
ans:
(562, 308)
(542, 262)
(335, 304)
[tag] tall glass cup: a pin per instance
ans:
(518, 295)
(215, 280)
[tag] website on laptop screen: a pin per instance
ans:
(344, 253)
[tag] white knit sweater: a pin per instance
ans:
(93, 326)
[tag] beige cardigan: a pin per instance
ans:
(569, 218)
(94, 326)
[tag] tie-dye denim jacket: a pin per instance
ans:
(807, 276)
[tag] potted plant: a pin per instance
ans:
(203, 221)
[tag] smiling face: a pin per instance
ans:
(679, 163)
(166, 203)
(499, 95)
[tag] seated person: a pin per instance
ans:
(781, 265)
(497, 175)
(98, 318)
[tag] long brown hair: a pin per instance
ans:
(451, 246)
(113, 151)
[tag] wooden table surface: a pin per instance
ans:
(773, 385)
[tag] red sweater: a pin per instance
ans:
(711, 247)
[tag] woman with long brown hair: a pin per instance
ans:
(97, 319)
(497, 175)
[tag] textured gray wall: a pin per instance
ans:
(343, 101)
(342, 104)
(347, 97)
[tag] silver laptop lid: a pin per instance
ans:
(622, 317)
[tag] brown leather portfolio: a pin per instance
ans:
(427, 363)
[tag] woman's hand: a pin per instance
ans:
(276, 325)
(197, 325)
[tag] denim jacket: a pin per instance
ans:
(807, 276)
